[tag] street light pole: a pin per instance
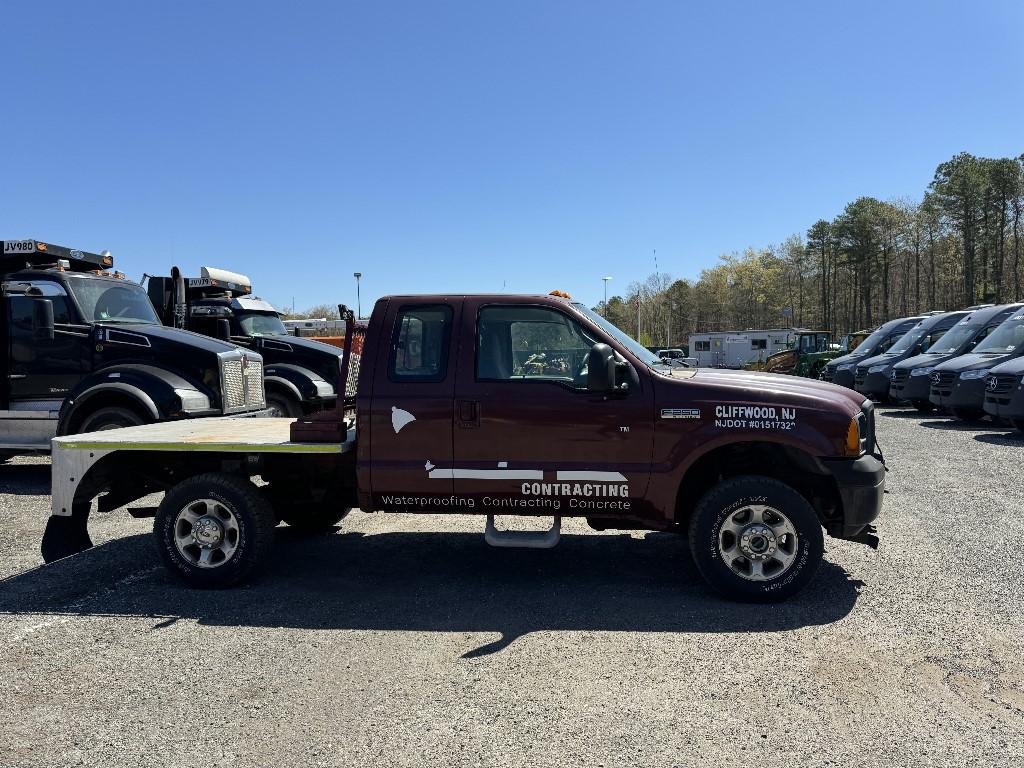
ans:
(605, 309)
(359, 302)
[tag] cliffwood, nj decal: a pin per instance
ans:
(754, 417)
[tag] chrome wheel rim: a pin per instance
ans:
(758, 542)
(206, 533)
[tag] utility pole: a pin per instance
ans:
(604, 308)
(359, 303)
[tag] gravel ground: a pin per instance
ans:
(406, 641)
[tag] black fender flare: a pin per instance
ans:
(301, 382)
(156, 392)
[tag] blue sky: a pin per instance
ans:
(481, 146)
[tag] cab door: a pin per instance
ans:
(42, 368)
(530, 439)
(411, 407)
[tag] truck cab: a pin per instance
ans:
(301, 375)
(83, 350)
(503, 405)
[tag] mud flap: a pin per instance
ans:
(67, 535)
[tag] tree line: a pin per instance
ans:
(959, 245)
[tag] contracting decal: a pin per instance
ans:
(754, 417)
(530, 489)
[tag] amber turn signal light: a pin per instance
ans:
(853, 438)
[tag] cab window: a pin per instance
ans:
(530, 343)
(21, 306)
(419, 349)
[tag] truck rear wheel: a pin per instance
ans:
(214, 530)
(110, 418)
(754, 538)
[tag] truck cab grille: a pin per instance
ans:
(243, 385)
(866, 426)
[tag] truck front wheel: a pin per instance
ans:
(110, 418)
(755, 538)
(214, 530)
(284, 407)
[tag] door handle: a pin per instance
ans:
(469, 413)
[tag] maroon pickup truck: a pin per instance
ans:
(508, 405)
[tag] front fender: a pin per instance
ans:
(158, 392)
(301, 382)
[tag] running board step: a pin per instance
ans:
(523, 539)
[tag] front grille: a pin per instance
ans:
(1001, 384)
(899, 375)
(234, 385)
(828, 373)
(254, 384)
(243, 385)
(859, 375)
(945, 378)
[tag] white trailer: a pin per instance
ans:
(734, 349)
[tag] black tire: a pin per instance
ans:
(728, 501)
(969, 414)
(247, 509)
(924, 406)
(110, 418)
(283, 406)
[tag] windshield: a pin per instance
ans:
(110, 301)
(954, 339)
(907, 342)
(867, 347)
(1006, 338)
(255, 324)
(633, 346)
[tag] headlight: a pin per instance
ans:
(981, 373)
(845, 366)
(878, 368)
(922, 371)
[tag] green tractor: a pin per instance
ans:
(806, 357)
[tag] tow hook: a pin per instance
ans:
(867, 536)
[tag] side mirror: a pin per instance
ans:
(223, 329)
(42, 319)
(601, 369)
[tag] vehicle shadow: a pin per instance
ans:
(956, 425)
(1006, 438)
(435, 582)
(25, 479)
(905, 413)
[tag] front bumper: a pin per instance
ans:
(1006, 405)
(874, 385)
(912, 388)
(861, 484)
(843, 378)
(964, 394)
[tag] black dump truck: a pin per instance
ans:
(84, 351)
(301, 375)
